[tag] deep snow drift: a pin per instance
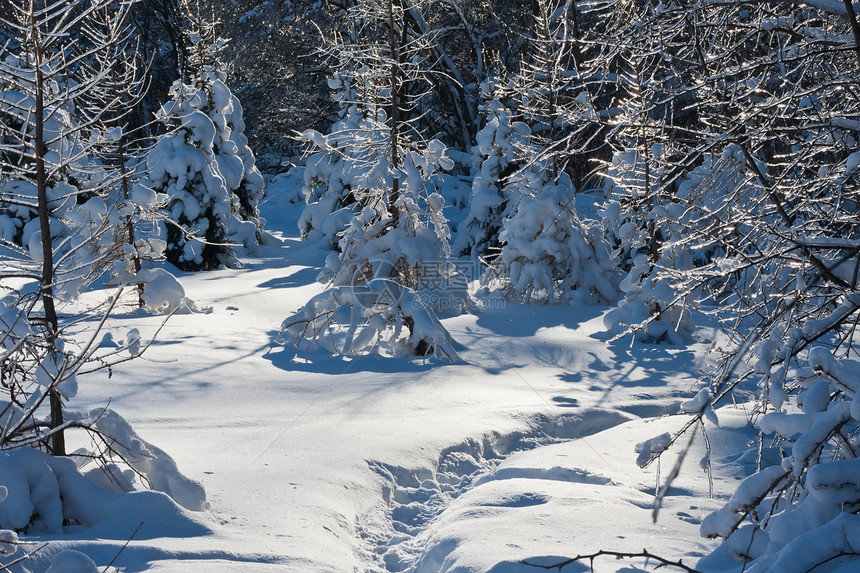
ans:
(312, 462)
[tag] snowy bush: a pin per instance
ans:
(163, 293)
(550, 256)
(45, 492)
(381, 316)
(775, 214)
(645, 228)
(155, 469)
(335, 167)
(495, 158)
(806, 493)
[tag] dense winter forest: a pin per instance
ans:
(449, 267)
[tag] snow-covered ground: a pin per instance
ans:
(316, 463)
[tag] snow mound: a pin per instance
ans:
(163, 294)
(149, 461)
(44, 492)
(71, 561)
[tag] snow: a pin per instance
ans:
(523, 449)
(72, 562)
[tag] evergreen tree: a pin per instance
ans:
(235, 159)
(183, 166)
(204, 166)
(332, 170)
(398, 231)
(496, 159)
(395, 246)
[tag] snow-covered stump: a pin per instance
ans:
(382, 317)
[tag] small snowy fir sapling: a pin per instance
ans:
(646, 232)
(205, 166)
(495, 157)
(182, 164)
(407, 241)
(230, 146)
(334, 168)
(404, 245)
(553, 257)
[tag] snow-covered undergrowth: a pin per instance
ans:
(44, 494)
(552, 257)
(382, 316)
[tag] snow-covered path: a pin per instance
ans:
(318, 463)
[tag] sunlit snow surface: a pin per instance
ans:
(317, 463)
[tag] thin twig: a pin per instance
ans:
(121, 549)
(7, 566)
(618, 555)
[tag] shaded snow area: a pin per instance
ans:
(314, 463)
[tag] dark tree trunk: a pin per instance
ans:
(58, 442)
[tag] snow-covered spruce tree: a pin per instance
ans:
(784, 275)
(495, 160)
(548, 255)
(203, 164)
(645, 229)
(182, 165)
(332, 167)
(235, 159)
(394, 249)
(552, 256)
